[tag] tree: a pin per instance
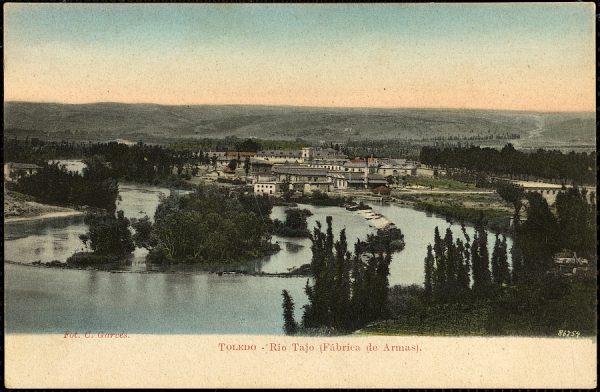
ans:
(108, 235)
(429, 272)
(576, 221)
(247, 166)
(451, 266)
(249, 145)
(347, 291)
(144, 236)
(513, 194)
(287, 189)
(538, 236)
(480, 262)
(96, 169)
(500, 270)
(295, 223)
(440, 266)
(208, 226)
(290, 326)
(232, 164)
(463, 279)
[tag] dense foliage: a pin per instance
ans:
(467, 292)
(548, 164)
(319, 198)
(209, 226)
(294, 225)
(108, 237)
(540, 308)
(348, 290)
(139, 162)
(108, 234)
(55, 184)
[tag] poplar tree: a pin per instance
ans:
(504, 270)
(495, 264)
(480, 262)
(440, 266)
(451, 288)
(289, 324)
(429, 272)
(463, 281)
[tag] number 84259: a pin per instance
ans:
(568, 334)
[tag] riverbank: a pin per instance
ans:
(302, 271)
(19, 207)
(465, 207)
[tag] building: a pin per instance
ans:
(280, 156)
(364, 180)
(339, 180)
(359, 165)
(319, 153)
(304, 178)
(355, 166)
(241, 155)
(13, 171)
(329, 164)
(391, 169)
(571, 265)
(260, 167)
(266, 187)
(223, 161)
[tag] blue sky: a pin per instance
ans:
(443, 55)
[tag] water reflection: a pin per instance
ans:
(57, 239)
(181, 299)
(45, 300)
(291, 247)
(92, 287)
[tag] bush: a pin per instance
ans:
(295, 223)
(85, 259)
(108, 235)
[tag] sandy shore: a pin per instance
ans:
(47, 215)
(19, 207)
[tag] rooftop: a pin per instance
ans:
(299, 170)
(280, 153)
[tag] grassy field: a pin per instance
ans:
(439, 183)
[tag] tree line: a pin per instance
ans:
(53, 183)
(532, 296)
(570, 225)
(548, 164)
(457, 270)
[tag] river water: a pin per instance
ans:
(48, 300)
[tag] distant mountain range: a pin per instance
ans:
(144, 121)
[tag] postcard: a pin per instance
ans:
(300, 195)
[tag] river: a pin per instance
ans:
(192, 301)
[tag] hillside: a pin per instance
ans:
(143, 121)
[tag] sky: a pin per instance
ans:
(536, 56)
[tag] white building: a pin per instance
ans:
(266, 187)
